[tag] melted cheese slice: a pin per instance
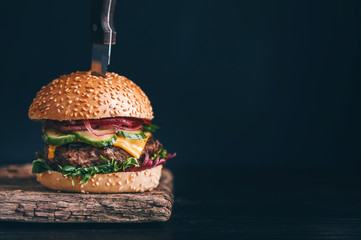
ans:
(51, 151)
(133, 147)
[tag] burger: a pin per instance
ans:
(98, 135)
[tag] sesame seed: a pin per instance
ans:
(97, 183)
(108, 184)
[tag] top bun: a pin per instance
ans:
(80, 96)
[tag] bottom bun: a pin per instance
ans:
(118, 182)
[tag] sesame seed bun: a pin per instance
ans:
(141, 181)
(80, 96)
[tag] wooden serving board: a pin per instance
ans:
(23, 199)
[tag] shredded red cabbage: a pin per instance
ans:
(148, 163)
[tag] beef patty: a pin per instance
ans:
(80, 154)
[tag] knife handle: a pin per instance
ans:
(101, 23)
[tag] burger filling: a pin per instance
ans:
(79, 154)
(89, 147)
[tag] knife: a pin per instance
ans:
(102, 35)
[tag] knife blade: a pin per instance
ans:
(102, 35)
(100, 59)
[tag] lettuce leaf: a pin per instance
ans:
(40, 166)
(149, 127)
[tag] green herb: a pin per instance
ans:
(110, 166)
(149, 127)
(130, 162)
(87, 173)
(162, 153)
(40, 166)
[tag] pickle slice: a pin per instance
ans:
(53, 137)
(98, 141)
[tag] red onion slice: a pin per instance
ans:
(125, 124)
(121, 128)
(90, 129)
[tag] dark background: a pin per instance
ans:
(260, 100)
(231, 82)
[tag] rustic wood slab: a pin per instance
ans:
(23, 199)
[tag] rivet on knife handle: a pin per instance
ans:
(102, 34)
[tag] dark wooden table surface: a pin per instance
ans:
(244, 202)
